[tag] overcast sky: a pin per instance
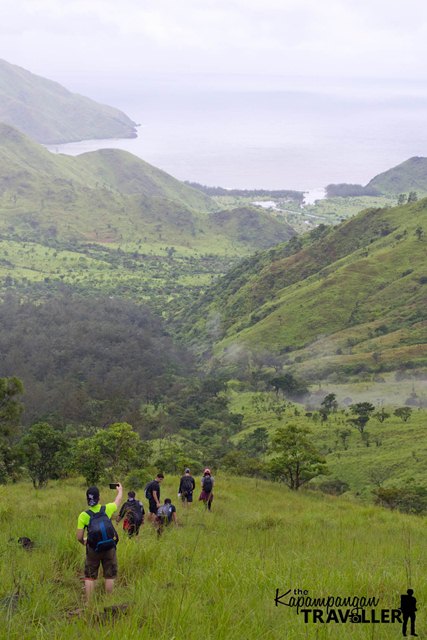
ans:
(69, 40)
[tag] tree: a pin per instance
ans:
(344, 435)
(10, 407)
(404, 413)
(113, 451)
(241, 464)
(381, 415)
(412, 197)
(256, 442)
(298, 460)
(402, 198)
(44, 450)
(289, 385)
(88, 460)
(10, 412)
(328, 405)
(362, 411)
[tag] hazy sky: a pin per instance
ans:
(66, 39)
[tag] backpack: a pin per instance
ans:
(147, 491)
(164, 512)
(134, 512)
(101, 535)
(207, 484)
(187, 484)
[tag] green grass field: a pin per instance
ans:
(393, 448)
(216, 575)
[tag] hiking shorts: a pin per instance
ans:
(187, 495)
(152, 507)
(108, 559)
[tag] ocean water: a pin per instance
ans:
(244, 135)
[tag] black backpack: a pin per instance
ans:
(101, 535)
(187, 484)
(148, 490)
(207, 484)
(134, 512)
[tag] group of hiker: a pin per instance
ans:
(101, 537)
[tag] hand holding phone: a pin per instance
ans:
(114, 485)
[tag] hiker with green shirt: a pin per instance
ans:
(101, 539)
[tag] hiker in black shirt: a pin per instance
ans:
(152, 493)
(133, 513)
(207, 486)
(186, 487)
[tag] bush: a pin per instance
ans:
(411, 499)
(334, 486)
(138, 478)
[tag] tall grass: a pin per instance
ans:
(216, 575)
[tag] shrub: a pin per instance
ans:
(411, 499)
(334, 486)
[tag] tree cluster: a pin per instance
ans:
(87, 361)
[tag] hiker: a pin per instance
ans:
(133, 513)
(186, 487)
(101, 539)
(166, 513)
(207, 486)
(152, 493)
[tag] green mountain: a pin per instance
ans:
(342, 300)
(410, 175)
(112, 195)
(50, 114)
(109, 220)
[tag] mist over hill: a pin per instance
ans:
(50, 114)
(341, 300)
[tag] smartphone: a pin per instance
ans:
(113, 485)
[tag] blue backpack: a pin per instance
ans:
(101, 535)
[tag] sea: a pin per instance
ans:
(267, 133)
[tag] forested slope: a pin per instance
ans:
(340, 299)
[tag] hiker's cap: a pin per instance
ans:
(92, 496)
(187, 470)
(207, 471)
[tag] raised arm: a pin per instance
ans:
(119, 495)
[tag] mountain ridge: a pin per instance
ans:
(51, 114)
(338, 300)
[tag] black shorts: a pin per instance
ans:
(108, 559)
(152, 507)
(187, 495)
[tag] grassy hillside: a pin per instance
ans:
(216, 575)
(48, 113)
(339, 301)
(410, 175)
(108, 220)
(392, 451)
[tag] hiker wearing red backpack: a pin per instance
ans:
(133, 513)
(207, 487)
(101, 539)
